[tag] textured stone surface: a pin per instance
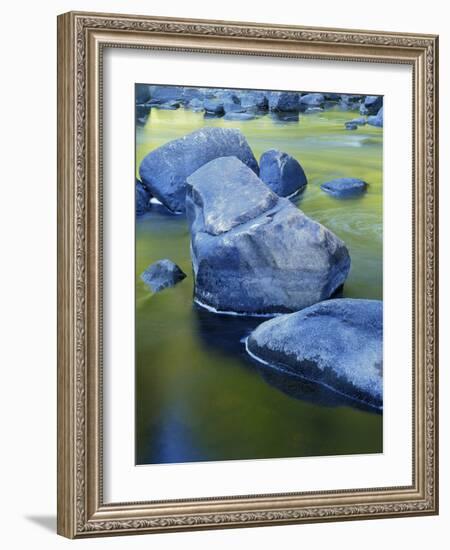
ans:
(281, 172)
(284, 101)
(254, 252)
(164, 170)
(162, 274)
(343, 188)
(336, 342)
(371, 105)
(142, 199)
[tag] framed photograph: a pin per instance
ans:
(247, 274)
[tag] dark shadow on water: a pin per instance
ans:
(299, 388)
(224, 333)
(227, 334)
(46, 522)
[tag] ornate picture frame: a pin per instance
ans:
(82, 38)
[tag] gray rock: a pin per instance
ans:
(312, 100)
(376, 120)
(163, 94)
(371, 105)
(162, 274)
(284, 101)
(195, 104)
(338, 343)
(254, 101)
(254, 252)
(164, 171)
(281, 172)
(351, 126)
(142, 199)
(344, 188)
(213, 107)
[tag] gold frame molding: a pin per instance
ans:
(81, 39)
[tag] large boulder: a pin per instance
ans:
(284, 101)
(344, 188)
(162, 274)
(281, 172)
(371, 105)
(253, 252)
(142, 199)
(338, 343)
(164, 171)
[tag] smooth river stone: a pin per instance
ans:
(338, 343)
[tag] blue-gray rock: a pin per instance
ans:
(239, 116)
(142, 113)
(195, 104)
(163, 94)
(338, 343)
(164, 171)
(281, 172)
(351, 126)
(142, 199)
(230, 106)
(142, 93)
(371, 105)
(254, 252)
(162, 274)
(283, 101)
(192, 93)
(350, 102)
(376, 120)
(343, 188)
(360, 121)
(312, 100)
(252, 101)
(213, 107)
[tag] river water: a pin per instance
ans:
(198, 396)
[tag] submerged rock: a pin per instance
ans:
(343, 188)
(162, 274)
(351, 126)
(164, 170)
(142, 199)
(281, 172)
(254, 252)
(338, 343)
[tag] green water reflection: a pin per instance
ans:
(198, 397)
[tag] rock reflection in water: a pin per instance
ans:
(227, 333)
